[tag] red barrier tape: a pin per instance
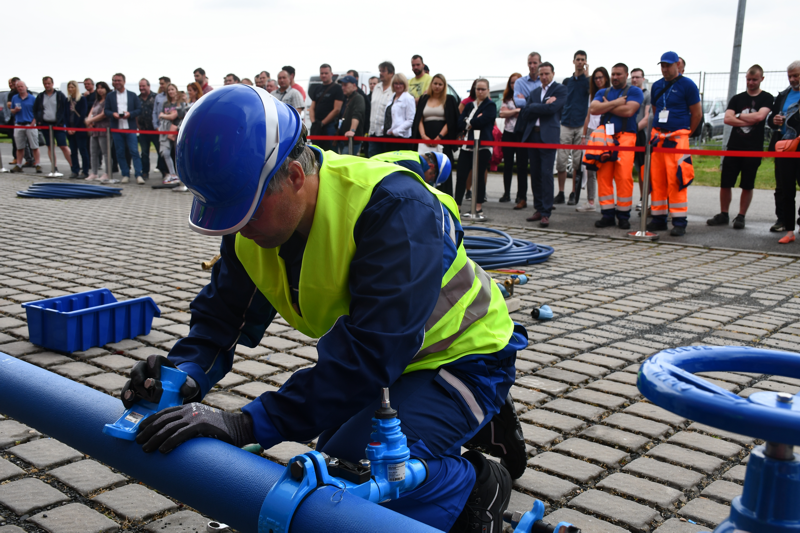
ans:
(113, 130)
(398, 140)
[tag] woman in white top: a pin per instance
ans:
(400, 114)
(599, 80)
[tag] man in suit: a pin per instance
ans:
(122, 107)
(542, 116)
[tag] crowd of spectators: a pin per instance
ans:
(592, 109)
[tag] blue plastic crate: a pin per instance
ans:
(94, 318)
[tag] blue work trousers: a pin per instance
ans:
(121, 140)
(439, 411)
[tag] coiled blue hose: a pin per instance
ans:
(493, 252)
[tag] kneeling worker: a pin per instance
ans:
(366, 257)
(434, 167)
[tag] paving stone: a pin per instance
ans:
(545, 486)
(676, 525)
(615, 437)
(182, 522)
(11, 529)
(564, 466)
(9, 470)
(528, 396)
(583, 368)
(600, 360)
(74, 518)
(597, 398)
(539, 436)
(592, 451)
(254, 389)
(45, 453)
(125, 345)
(777, 387)
(255, 369)
(722, 491)
(562, 423)
(12, 432)
(76, 370)
(726, 376)
(611, 387)
(19, 348)
(231, 379)
(279, 344)
(225, 401)
(543, 385)
(623, 377)
(672, 475)
(283, 452)
(551, 349)
(735, 474)
(706, 444)
(682, 456)
(568, 407)
(108, 382)
(586, 523)
(115, 363)
(134, 502)
(285, 360)
(557, 374)
(638, 425)
(653, 412)
(642, 489)
(87, 476)
(705, 511)
(45, 359)
(28, 494)
(633, 515)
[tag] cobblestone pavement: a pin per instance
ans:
(600, 455)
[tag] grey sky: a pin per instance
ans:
(147, 38)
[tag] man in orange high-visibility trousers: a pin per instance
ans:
(619, 106)
(677, 112)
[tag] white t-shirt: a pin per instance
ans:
(122, 107)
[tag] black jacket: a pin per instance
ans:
(77, 119)
(777, 107)
(483, 120)
(62, 107)
(450, 116)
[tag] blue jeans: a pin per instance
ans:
(145, 140)
(79, 142)
(121, 140)
(374, 148)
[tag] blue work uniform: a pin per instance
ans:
(402, 230)
(677, 99)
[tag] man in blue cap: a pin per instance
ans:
(367, 258)
(677, 112)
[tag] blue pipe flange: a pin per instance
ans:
(772, 481)
(305, 474)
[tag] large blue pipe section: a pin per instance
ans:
(215, 478)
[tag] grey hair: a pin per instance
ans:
(300, 153)
(794, 65)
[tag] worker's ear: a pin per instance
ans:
(297, 177)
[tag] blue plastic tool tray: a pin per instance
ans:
(87, 319)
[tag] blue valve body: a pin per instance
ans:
(390, 457)
(127, 425)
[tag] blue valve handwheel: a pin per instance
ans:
(667, 380)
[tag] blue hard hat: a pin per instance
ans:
(230, 145)
(443, 164)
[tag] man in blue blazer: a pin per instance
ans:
(542, 116)
(122, 107)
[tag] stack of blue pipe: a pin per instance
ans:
(68, 190)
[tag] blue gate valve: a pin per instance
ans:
(769, 500)
(128, 424)
(387, 472)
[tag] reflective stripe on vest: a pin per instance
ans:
(469, 317)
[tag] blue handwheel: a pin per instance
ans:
(771, 497)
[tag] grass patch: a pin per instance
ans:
(707, 172)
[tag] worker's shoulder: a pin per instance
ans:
(402, 186)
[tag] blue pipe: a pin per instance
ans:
(215, 478)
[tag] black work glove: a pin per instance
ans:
(167, 429)
(145, 383)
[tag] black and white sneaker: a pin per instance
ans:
(502, 437)
(483, 512)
